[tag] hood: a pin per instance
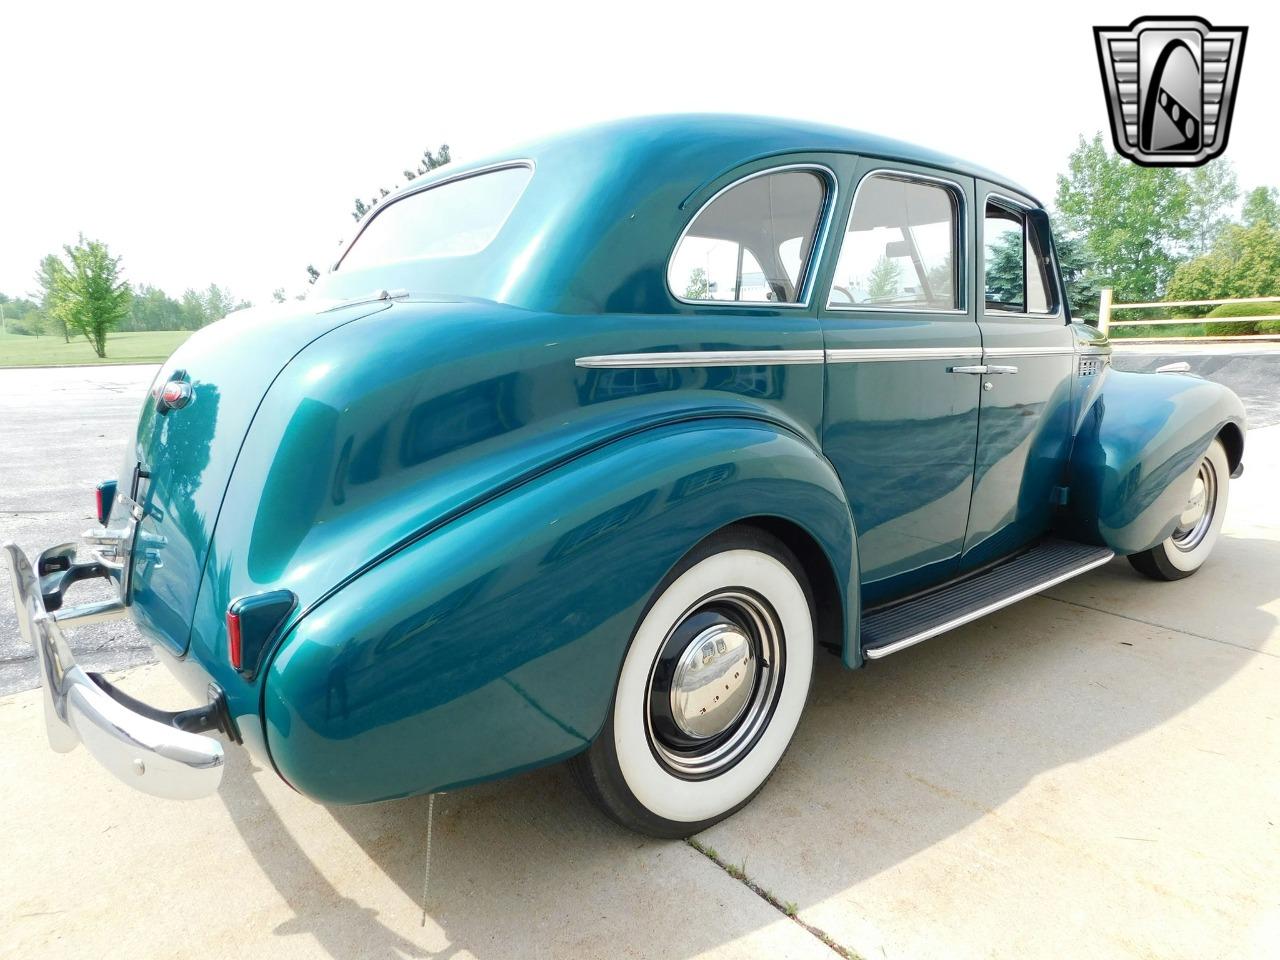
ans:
(179, 462)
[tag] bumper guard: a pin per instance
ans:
(157, 752)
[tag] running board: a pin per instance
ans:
(891, 628)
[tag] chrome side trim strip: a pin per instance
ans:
(877, 355)
(1026, 351)
(878, 652)
(702, 358)
(733, 358)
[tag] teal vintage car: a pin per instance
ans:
(584, 452)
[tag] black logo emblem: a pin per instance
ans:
(1170, 85)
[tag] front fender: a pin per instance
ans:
(493, 644)
(1137, 446)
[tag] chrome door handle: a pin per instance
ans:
(977, 368)
(993, 368)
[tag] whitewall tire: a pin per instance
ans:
(711, 688)
(1186, 550)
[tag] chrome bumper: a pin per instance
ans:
(148, 749)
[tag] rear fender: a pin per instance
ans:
(1138, 444)
(493, 644)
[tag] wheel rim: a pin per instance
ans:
(1197, 515)
(714, 683)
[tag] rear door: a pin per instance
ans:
(900, 425)
(1024, 428)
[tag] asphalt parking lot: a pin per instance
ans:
(1089, 773)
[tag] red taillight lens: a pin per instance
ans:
(104, 495)
(233, 638)
(252, 625)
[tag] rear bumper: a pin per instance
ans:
(157, 752)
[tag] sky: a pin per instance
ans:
(225, 143)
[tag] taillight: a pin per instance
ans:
(103, 495)
(234, 647)
(253, 622)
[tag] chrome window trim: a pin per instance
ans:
(411, 191)
(957, 191)
(1055, 277)
(702, 358)
(815, 255)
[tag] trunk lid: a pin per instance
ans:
(179, 463)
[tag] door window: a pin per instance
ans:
(901, 247)
(1016, 261)
(753, 243)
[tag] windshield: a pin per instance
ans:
(456, 218)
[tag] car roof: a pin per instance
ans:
(595, 227)
(740, 138)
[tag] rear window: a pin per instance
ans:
(453, 219)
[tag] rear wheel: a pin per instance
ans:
(711, 689)
(1199, 524)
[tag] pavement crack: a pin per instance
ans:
(1163, 626)
(787, 909)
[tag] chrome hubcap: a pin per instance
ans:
(715, 683)
(1197, 515)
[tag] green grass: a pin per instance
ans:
(1173, 329)
(154, 346)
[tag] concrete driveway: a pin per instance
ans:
(1092, 773)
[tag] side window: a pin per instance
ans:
(901, 247)
(1016, 261)
(752, 243)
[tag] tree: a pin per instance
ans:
(430, 161)
(1077, 276)
(1006, 269)
(20, 315)
(1212, 191)
(153, 309)
(1132, 221)
(199, 308)
(1245, 262)
(47, 276)
(278, 295)
(884, 281)
(699, 287)
(1262, 205)
(91, 296)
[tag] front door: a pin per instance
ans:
(900, 425)
(1024, 428)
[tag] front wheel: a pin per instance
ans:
(711, 689)
(1199, 524)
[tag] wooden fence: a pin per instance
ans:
(1106, 307)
